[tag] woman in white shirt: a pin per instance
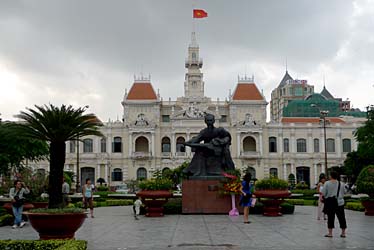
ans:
(321, 182)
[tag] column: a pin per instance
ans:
(238, 148)
(293, 169)
(173, 145)
(106, 173)
(97, 172)
(322, 169)
(315, 173)
(130, 145)
(153, 153)
(260, 141)
(285, 171)
(338, 143)
(188, 149)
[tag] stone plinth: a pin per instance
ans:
(201, 196)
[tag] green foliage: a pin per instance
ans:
(107, 203)
(356, 160)
(57, 125)
(102, 188)
(287, 208)
(365, 181)
(302, 185)
(43, 244)
(57, 210)
(173, 206)
(6, 219)
(305, 192)
(271, 183)
(15, 148)
(156, 184)
(356, 206)
(302, 202)
(104, 194)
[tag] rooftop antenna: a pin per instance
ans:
(286, 65)
(324, 83)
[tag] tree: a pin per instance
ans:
(16, 149)
(56, 126)
(364, 156)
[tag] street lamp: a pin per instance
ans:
(323, 114)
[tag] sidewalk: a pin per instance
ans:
(114, 228)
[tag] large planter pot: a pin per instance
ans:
(154, 200)
(26, 207)
(369, 207)
(273, 200)
(40, 204)
(56, 226)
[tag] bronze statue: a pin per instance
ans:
(211, 157)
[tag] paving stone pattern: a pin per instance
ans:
(114, 228)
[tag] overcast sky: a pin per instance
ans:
(87, 52)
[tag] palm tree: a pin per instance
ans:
(56, 126)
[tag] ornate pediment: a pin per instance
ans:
(191, 111)
(248, 122)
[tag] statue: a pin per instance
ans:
(212, 157)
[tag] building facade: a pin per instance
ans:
(151, 134)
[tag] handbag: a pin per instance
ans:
(331, 203)
(18, 201)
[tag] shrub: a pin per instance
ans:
(365, 181)
(156, 184)
(6, 220)
(356, 206)
(271, 183)
(305, 192)
(302, 185)
(173, 206)
(102, 188)
(257, 209)
(287, 208)
(43, 245)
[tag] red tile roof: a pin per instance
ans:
(247, 91)
(310, 120)
(142, 91)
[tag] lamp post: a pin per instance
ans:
(323, 114)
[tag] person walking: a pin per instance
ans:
(333, 191)
(16, 193)
(321, 182)
(246, 197)
(88, 196)
(65, 192)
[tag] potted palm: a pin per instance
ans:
(154, 194)
(365, 184)
(56, 125)
(273, 190)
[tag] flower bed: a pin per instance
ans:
(44, 244)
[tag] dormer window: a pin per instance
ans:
(193, 56)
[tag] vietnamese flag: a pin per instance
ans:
(199, 13)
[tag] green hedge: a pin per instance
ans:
(287, 208)
(356, 206)
(302, 202)
(173, 206)
(43, 245)
(6, 220)
(107, 203)
(305, 192)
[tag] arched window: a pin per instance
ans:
(303, 175)
(117, 145)
(252, 171)
(316, 145)
(141, 144)
(72, 146)
(87, 146)
(117, 174)
(249, 144)
(347, 145)
(141, 174)
(180, 145)
(273, 172)
(272, 144)
(330, 145)
(286, 145)
(166, 172)
(165, 145)
(103, 145)
(301, 145)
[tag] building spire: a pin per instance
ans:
(193, 40)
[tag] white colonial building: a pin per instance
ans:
(151, 134)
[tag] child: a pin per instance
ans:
(136, 208)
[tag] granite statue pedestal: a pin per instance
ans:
(200, 195)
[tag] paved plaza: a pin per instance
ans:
(114, 228)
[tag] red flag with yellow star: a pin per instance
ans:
(199, 13)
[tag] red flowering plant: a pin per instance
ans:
(231, 182)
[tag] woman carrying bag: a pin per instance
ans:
(16, 194)
(333, 193)
(246, 197)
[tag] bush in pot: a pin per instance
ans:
(365, 184)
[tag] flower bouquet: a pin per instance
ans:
(231, 185)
